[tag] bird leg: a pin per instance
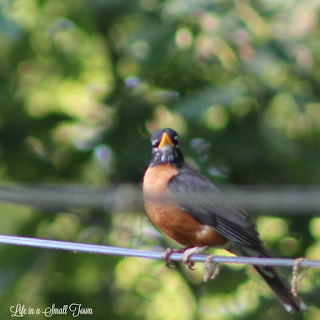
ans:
(210, 270)
(188, 253)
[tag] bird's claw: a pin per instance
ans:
(189, 264)
(186, 259)
(165, 256)
(188, 254)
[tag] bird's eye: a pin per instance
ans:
(154, 142)
(175, 140)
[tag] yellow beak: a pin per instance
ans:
(165, 140)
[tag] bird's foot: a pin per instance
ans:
(167, 253)
(188, 254)
(211, 269)
(165, 256)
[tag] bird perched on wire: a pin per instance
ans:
(173, 196)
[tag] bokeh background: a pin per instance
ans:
(82, 86)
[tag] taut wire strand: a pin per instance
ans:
(125, 252)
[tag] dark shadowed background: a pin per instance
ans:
(83, 84)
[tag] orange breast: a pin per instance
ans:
(167, 215)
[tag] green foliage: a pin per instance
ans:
(82, 86)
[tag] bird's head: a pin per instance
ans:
(165, 148)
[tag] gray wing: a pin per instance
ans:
(198, 197)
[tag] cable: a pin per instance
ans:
(125, 252)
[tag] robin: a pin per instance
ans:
(198, 224)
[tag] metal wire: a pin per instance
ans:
(288, 200)
(125, 252)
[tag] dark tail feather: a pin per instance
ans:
(281, 288)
